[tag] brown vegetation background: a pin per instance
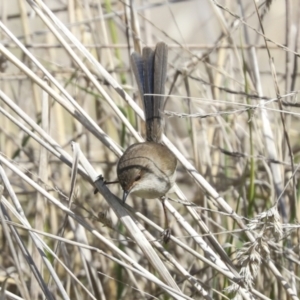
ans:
(67, 94)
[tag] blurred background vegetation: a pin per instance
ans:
(231, 112)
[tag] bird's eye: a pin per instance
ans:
(137, 178)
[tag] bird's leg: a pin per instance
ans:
(167, 232)
(100, 177)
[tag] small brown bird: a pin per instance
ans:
(148, 169)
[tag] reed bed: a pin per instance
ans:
(69, 107)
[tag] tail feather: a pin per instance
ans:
(150, 72)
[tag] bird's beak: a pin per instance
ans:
(125, 194)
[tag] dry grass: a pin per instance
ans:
(69, 106)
